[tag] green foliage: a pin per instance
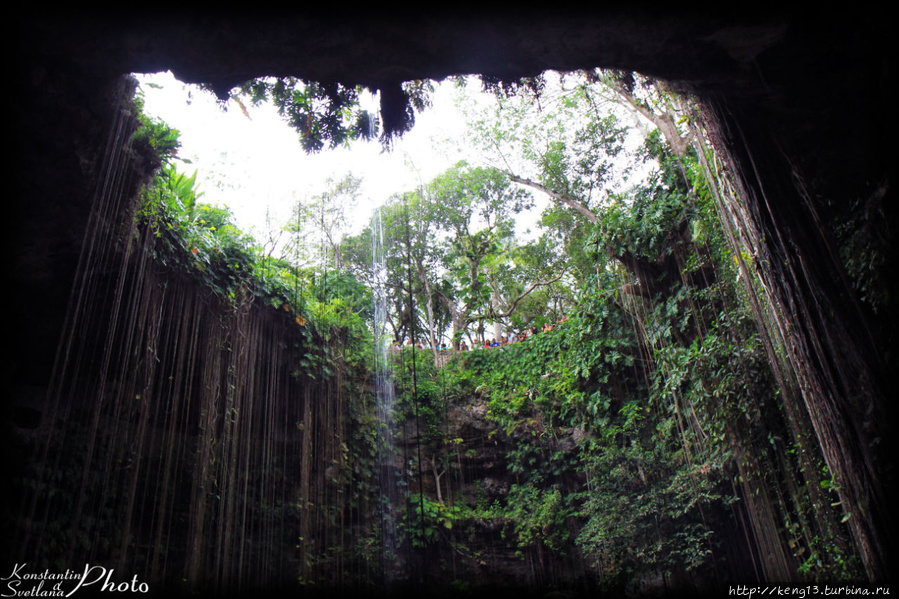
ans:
(539, 516)
(427, 522)
(645, 508)
(421, 394)
(154, 138)
(321, 113)
(318, 224)
(404, 236)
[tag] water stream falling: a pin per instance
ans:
(389, 472)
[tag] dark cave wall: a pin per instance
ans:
(801, 101)
(60, 136)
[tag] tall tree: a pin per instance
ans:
(475, 208)
(318, 225)
(405, 237)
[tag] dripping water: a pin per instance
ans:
(174, 430)
(388, 471)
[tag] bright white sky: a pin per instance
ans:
(256, 166)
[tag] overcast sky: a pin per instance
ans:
(255, 165)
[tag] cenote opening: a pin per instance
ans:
(647, 389)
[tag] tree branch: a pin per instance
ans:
(521, 296)
(664, 122)
(589, 214)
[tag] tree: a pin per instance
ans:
(319, 224)
(450, 250)
(567, 144)
(475, 208)
(575, 148)
(402, 238)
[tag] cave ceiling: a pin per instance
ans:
(802, 73)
